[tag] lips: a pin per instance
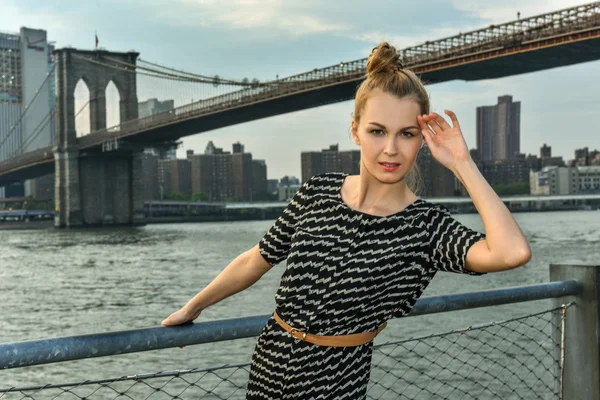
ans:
(389, 166)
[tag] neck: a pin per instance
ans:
(372, 194)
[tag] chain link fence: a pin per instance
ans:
(519, 358)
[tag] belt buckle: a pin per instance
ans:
(294, 330)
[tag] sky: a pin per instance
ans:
(265, 38)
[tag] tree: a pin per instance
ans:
(199, 197)
(177, 196)
(512, 189)
(216, 80)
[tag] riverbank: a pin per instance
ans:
(241, 217)
(23, 225)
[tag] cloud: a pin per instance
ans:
(503, 11)
(272, 16)
(13, 17)
(262, 39)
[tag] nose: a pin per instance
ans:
(390, 147)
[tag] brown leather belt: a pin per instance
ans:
(355, 339)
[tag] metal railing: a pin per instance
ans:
(500, 359)
(522, 357)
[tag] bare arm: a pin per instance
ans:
(240, 274)
(505, 246)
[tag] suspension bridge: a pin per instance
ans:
(98, 173)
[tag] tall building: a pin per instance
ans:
(225, 176)
(438, 181)
(150, 176)
(27, 96)
(42, 188)
(350, 162)
(175, 176)
(585, 158)
(312, 164)
(565, 180)
(329, 160)
(154, 106)
(242, 169)
(259, 179)
(545, 151)
(498, 130)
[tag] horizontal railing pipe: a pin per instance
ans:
(46, 351)
(495, 297)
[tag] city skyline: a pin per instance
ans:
(283, 39)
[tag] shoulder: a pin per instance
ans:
(326, 183)
(433, 213)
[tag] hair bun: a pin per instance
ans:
(383, 59)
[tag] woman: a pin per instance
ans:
(361, 249)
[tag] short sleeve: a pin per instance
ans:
(275, 245)
(450, 241)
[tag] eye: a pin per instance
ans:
(376, 131)
(407, 134)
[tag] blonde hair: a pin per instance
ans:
(385, 72)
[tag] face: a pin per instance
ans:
(388, 136)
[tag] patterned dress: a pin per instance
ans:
(347, 272)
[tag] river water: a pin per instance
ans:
(56, 283)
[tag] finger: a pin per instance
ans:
(440, 120)
(433, 124)
(428, 137)
(424, 126)
(452, 116)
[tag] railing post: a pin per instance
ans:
(581, 373)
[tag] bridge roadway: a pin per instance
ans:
(550, 44)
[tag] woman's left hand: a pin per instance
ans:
(446, 142)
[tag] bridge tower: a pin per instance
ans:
(95, 187)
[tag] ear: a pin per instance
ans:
(355, 133)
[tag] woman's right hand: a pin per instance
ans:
(181, 317)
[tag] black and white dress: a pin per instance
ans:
(347, 272)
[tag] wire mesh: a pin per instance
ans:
(517, 358)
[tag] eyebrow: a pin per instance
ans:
(383, 126)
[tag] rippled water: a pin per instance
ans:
(62, 283)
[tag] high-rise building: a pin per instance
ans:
(565, 180)
(164, 179)
(238, 148)
(329, 160)
(42, 188)
(498, 130)
(242, 168)
(27, 95)
(312, 164)
(175, 176)
(438, 181)
(545, 151)
(350, 162)
(225, 176)
(154, 106)
(259, 179)
(150, 176)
